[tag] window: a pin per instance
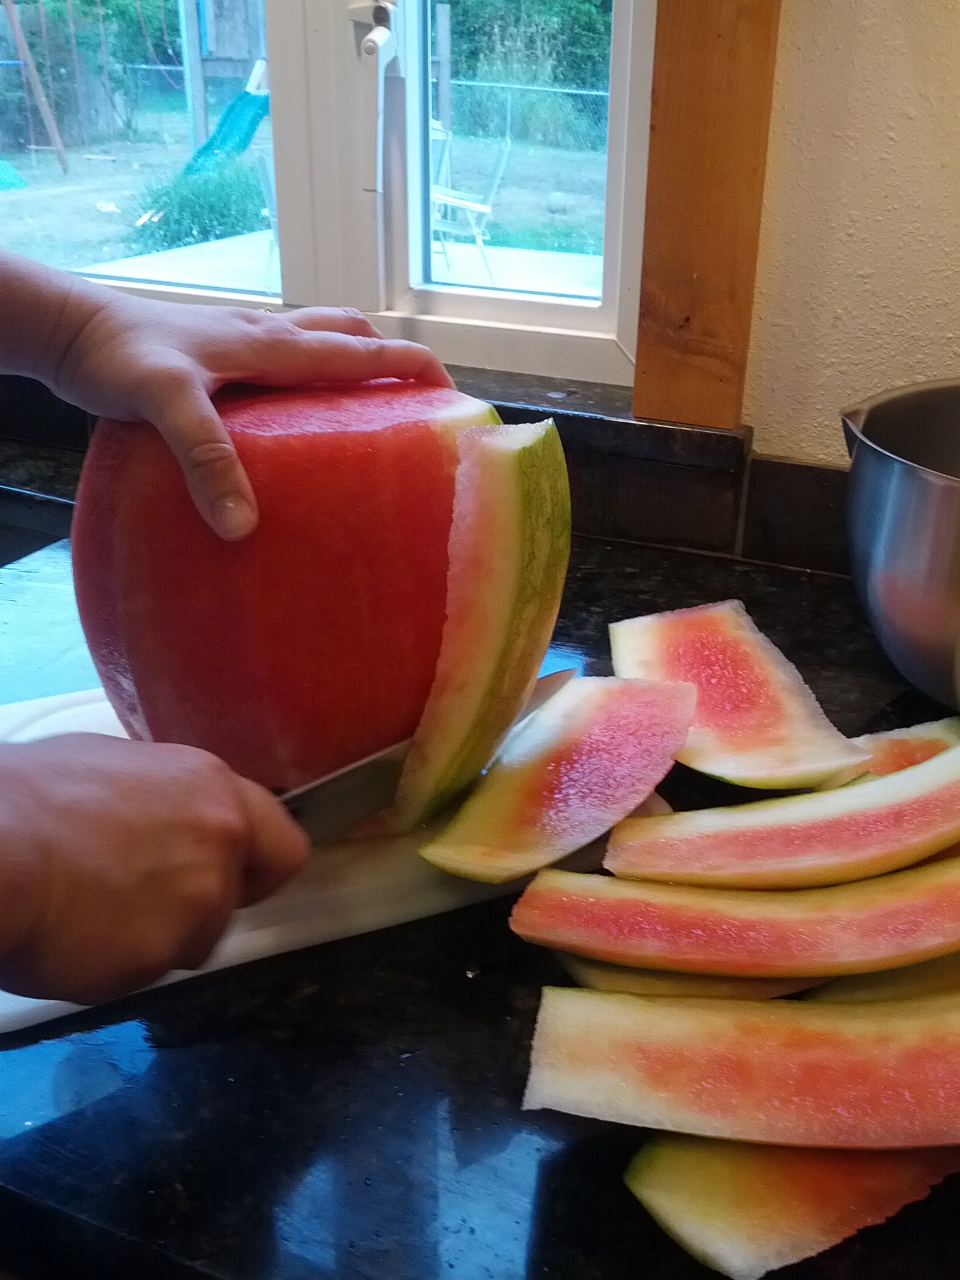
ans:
(471, 173)
(382, 249)
(511, 146)
(136, 146)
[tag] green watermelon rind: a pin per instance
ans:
(498, 630)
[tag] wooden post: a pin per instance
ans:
(193, 82)
(33, 77)
(704, 199)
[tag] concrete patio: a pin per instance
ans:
(251, 264)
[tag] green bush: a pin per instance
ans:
(195, 208)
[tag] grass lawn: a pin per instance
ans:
(87, 216)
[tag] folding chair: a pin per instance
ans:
(458, 214)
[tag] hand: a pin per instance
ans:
(162, 361)
(122, 860)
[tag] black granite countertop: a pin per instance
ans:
(353, 1110)
(48, 470)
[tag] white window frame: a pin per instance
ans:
(566, 337)
(319, 142)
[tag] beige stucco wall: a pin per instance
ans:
(858, 278)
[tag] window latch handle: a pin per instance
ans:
(377, 47)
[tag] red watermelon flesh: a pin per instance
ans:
(899, 753)
(329, 615)
(746, 1209)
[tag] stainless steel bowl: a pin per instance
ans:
(903, 521)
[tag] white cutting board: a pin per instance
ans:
(344, 890)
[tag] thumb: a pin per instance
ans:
(215, 477)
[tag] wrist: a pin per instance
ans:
(44, 313)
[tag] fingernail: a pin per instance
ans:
(233, 518)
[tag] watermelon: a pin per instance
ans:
(511, 531)
(313, 642)
(786, 1072)
(821, 838)
(926, 978)
(601, 976)
(899, 749)
(757, 723)
(745, 1209)
(592, 753)
(870, 925)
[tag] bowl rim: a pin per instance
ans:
(854, 417)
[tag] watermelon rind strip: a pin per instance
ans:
(746, 1209)
(867, 926)
(591, 754)
(906, 982)
(509, 549)
(819, 838)
(800, 748)
(600, 975)
(785, 1072)
(946, 732)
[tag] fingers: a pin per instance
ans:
(122, 860)
(333, 320)
(277, 845)
(317, 345)
(339, 358)
(218, 484)
(361, 359)
(274, 848)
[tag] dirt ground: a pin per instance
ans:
(86, 216)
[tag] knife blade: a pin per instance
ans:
(334, 802)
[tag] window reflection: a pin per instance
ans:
(50, 1080)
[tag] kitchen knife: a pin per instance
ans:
(328, 805)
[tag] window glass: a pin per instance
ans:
(135, 146)
(514, 192)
